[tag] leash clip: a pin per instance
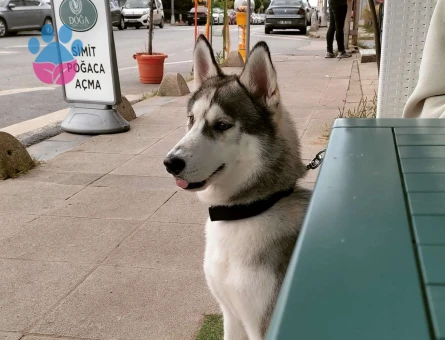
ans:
(318, 159)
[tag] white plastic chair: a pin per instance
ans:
(405, 25)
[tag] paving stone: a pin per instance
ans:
(183, 207)
(66, 178)
(85, 162)
(301, 123)
(162, 147)
(174, 120)
(11, 223)
(298, 113)
(131, 143)
(113, 203)
(66, 239)
(326, 113)
(136, 182)
(124, 303)
(143, 165)
(156, 245)
(317, 131)
(10, 336)
(307, 185)
(30, 288)
(33, 198)
(70, 137)
(48, 149)
(42, 337)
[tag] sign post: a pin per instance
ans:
(95, 88)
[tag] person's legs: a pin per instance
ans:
(331, 32)
(339, 18)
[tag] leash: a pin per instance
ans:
(316, 161)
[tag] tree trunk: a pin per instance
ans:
(172, 20)
(375, 23)
(150, 28)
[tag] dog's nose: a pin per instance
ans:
(174, 165)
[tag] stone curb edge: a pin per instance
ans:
(48, 126)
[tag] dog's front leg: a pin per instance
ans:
(233, 328)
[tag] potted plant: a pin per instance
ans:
(151, 65)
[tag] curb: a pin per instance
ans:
(40, 142)
(39, 129)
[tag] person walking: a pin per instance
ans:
(337, 15)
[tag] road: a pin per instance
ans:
(23, 96)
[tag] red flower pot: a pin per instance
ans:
(151, 67)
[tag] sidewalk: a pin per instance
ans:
(98, 243)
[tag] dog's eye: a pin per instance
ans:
(221, 126)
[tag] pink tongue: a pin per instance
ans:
(181, 183)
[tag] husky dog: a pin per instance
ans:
(241, 155)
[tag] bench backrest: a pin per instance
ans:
(405, 26)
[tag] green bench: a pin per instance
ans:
(370, 260)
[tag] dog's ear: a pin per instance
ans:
(204, 63)
(259, 76)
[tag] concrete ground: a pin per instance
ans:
(98, 243)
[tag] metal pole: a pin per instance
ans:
(172, 20)
(248, 30)
(324, 15)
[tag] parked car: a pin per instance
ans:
(262, 18)
(308, 8)
(287, 14)
(158, 16)
(231, 14)
(136, 13)
(218, 16)
(23, 15)
(117, 19)
(202, 16)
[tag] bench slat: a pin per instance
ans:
(429, 229)
(421, 140)
(421, 152)
(354, 269)
(427, 203)
(425, 182)
(419, 131)
(432, 259)
(436, 298)
(388, 122)
(418, 165)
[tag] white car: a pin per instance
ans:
(136, 13)
(218, 16)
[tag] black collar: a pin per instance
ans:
(241, 211)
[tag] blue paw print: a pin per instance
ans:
(54, 56)
(49, 53)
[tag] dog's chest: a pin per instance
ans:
(232, 252)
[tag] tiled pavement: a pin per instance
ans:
(98, 243)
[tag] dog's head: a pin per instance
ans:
(233, 127)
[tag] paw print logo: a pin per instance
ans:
(54, 64)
